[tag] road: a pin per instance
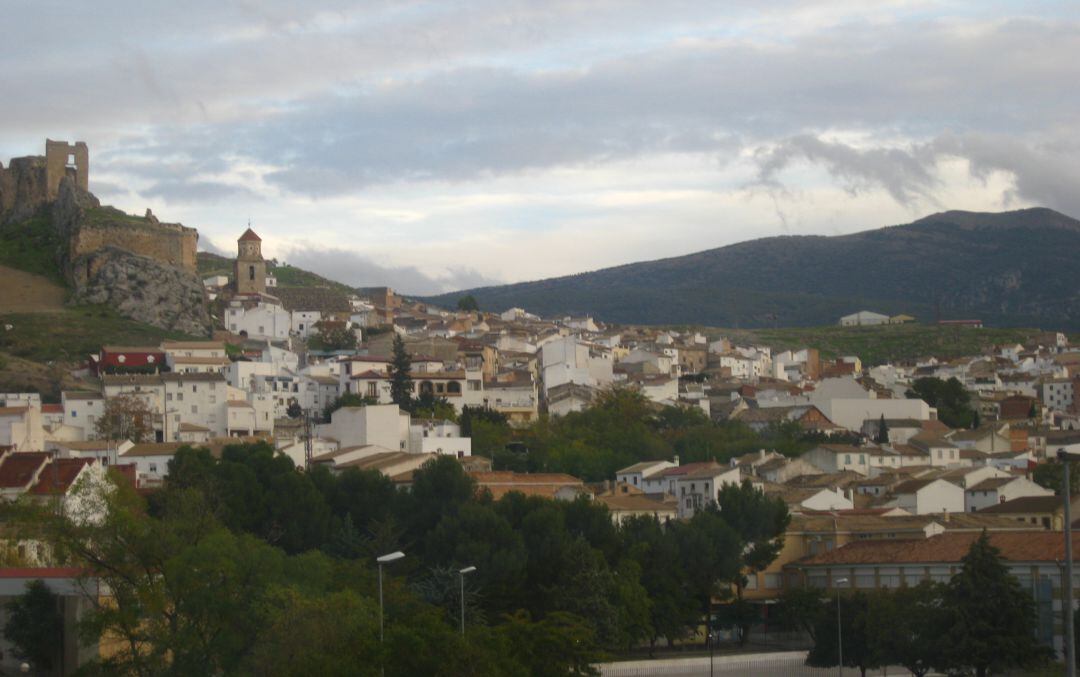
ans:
(786, 664)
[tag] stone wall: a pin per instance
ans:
(168, 243)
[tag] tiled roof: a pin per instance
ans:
(17, 469)
(154, 449)
(991, 484)
(13, 411)
(1021, 546)
(59, 476)
(1027, 504)
(249, 236)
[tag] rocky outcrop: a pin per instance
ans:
(143, 290)
(23, 189)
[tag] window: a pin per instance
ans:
(847, 460)
(194, 388)
(179, 397)
(862, 459)
(75, 414)
(751, 582)
(251, 272)
(772, 581)
(194, 409)
(153, 467)
(372, 389)
(168, 397)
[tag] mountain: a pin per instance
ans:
(1014, 268)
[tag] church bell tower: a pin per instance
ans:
(250, 267)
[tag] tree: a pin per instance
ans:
(126, 417)
(348, 400)
(335, 336)
(294, 410)
(911, 627)
(760, 522)
(882, 436)
(401, 384)
(858, 632)
(950, 398)
(989, 615)
(34, 625)
(1050, 475)
(468, 303)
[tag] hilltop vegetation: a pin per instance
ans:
(877, 345)
(1009, 269)
(287, 276)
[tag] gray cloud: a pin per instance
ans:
(1045, 172)
(467, 123)
(360, 271)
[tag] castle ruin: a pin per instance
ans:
(66, 159)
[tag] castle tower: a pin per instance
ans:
(66, 159)
(250, 269)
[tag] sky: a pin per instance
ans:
(436, 146)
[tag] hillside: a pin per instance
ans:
(287, 276)
(1008, 269)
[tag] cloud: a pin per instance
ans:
(187, 191)
(360, 271)
(899, 171)
(1044, 172)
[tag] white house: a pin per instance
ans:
(700, 486)
(261, 320)
(925, 496)
(833, 458)
(635, 475)
(996, 490)
(384, 425)
(863, 318)
(438, 437)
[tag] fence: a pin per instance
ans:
(780, 664)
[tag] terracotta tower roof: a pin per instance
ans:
(248, 235)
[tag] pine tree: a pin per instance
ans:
(400, 374)
(993, 618)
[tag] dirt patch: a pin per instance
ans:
(22, 292)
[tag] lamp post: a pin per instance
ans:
(839, 628)
(1070, 641)
(461, 575)
(385, 559)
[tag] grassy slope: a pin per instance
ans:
(31, 245)
(73, 333)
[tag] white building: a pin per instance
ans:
(926, 496)
(438, 437)
(996, 490)
(863, 318)
(263, 320)
(384, 425)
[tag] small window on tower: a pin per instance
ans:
(251, 272)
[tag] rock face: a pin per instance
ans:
(143, 290)
(23, 189)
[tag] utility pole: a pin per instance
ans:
(307, 440)
(1070, 640)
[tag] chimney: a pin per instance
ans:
(675, 460)
(761, 454)
(945, 517)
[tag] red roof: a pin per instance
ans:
(1017, 546)
(52, 408)
(19, 468)
(249, 235)
(40, 572)
(59, 476)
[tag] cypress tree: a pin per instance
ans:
(401, 374)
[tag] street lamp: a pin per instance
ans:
(461, 574)
(385, 559)
(839, 628)
(1070, 641)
